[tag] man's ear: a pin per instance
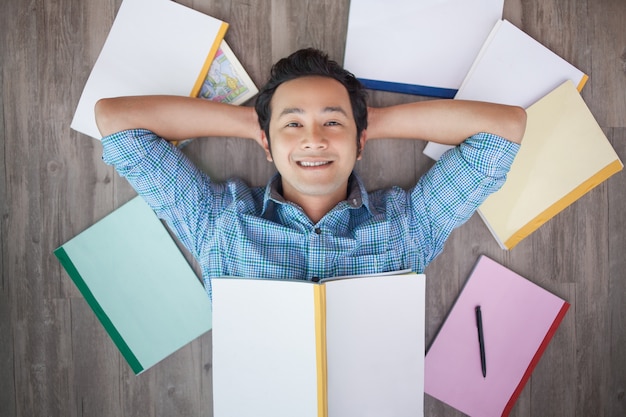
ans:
(266, 146)
(362, 140)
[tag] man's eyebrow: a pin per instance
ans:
(291, 110)
(335, 109)
(298, 110)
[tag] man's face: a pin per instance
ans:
(313, 137)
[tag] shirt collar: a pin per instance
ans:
(357, 194)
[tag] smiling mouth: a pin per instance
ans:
(313, 164)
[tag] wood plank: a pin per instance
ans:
(607, 48)
(614, 401)
(40, 320)
(96, 362)
(7, 383)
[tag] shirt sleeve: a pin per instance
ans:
(168, 181)
(451, 191)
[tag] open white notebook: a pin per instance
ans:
(346, 347)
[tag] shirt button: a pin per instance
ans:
(318, 230)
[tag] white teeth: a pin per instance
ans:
(313, 164)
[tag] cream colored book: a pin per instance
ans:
(564, 154)
(352, 346)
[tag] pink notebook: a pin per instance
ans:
(519, 318)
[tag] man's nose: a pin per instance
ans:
(314, 138)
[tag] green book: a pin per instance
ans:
(138, 284)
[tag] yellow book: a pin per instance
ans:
(564, 154)
(350, 346)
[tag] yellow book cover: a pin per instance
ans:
(564, 154)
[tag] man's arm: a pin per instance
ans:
(176, 118)
(446, 121)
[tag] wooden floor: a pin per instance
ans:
(56, 360)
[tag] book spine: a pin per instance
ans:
(563, 203)
(535, 360)
(582, 82)
(82, 286)
(319, 294)
(209, 59)
(421, 90)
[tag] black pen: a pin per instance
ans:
(481, 341)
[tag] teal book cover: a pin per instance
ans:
(138, 283)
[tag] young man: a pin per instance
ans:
(315, 218)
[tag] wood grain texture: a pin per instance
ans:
(614, 400)
(55, 358)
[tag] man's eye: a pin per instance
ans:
(293, 124)
(333, 123)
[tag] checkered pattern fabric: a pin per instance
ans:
(236, 230)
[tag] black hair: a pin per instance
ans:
(309, 62)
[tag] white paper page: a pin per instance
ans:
(424, 42)
(375, 337)
(435, 150)
(154, 47)
(264, 351)
(514, 69)
(517, 70)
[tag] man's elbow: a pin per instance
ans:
(516, 124)
(105, 116)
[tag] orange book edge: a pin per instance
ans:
(582, 82)
(319, 294)
(209, 60)
(602, 175)
(207, 65)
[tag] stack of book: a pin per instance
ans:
(564, 152)
(162, 47)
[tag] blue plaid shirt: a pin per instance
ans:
(237, 230)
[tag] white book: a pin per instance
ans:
(153, 47)
(512, 68)
(420, 47)
(345, 347)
